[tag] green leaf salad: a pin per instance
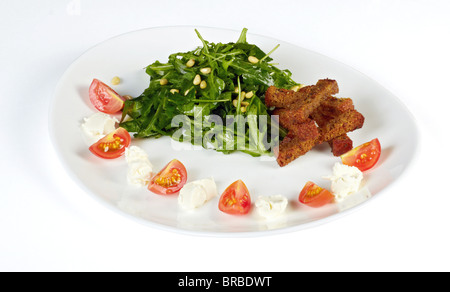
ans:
(204, 95)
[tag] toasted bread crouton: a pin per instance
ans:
(285, 98)
(333, 106)
(288, 116)
(306, 101)
(340, 125)
(282, 98)
(313, 116)
(304, 131)
(341, 145)
(292, 147)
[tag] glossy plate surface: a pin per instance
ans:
(126, 56)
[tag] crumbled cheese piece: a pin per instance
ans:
(197, 193)
(97, 126)
(134, 154)
(345, 180)
(271, 206)
(139, 167)
(139, 173)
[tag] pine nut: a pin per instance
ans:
(249, 94)
(190, 63)
(253, 59)
(203, 84)
(197, 79)
(163, 81)
(115, 80)
(205, 70)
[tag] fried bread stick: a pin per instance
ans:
(331, 108)
(281, 98)
(284, 98)
(313, 116)
(292, 147)
(304, 130)
(307, 101)
(340, 125)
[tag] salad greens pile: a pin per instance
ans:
(195, 95)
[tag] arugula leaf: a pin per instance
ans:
(209, 109)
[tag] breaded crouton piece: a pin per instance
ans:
(292, 147)
(288, 116)
(281, 98)
(285, 98)
(320, 118)
(340, 125)
(307, 102)
(333, 106)
(314, 96)
(313, 116)
(304, 131)
(341, 145)
(329, 109)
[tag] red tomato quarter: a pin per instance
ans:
(235, 199)
(104, 98)
(170, 179)
(364, 156)
(112, 145)
(314, 196)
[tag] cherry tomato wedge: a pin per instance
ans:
(112, 145)
(170, 179)
(104, 98)
(235, 199)
(314, 196)
(364, 156)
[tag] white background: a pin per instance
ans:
(47, 223)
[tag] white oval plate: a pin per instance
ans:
(127, 55)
